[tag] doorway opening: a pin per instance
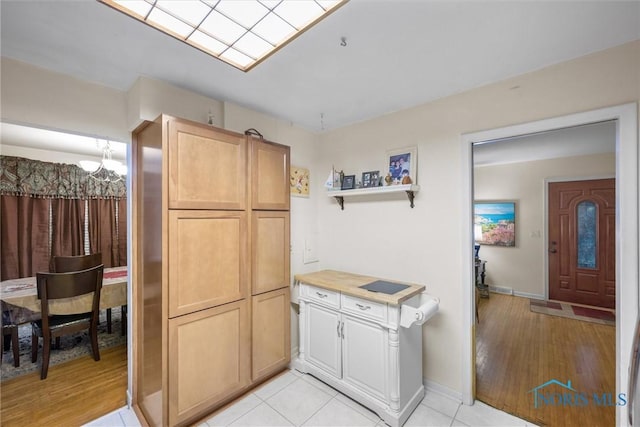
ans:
(518, 343)
(78, 215)
(626, 242)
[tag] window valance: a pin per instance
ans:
(27, 177)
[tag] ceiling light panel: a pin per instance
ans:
(245, 12)
(240, 32)
(207, 43)
(191, 12)
(274, 29)
(169, 22)
(298, 13)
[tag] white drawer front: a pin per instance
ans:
(324, 296)
(362, 307)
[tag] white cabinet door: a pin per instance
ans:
(365, 348)
(322, 339)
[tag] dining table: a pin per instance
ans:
(19, 297)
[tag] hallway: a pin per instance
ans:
(518, 350)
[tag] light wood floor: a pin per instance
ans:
(517, 350)
(73, 394)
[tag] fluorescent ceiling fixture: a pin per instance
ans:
(242, 33)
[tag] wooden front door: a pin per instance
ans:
(582, 259)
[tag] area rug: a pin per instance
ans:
(562, 309)
(71, 347)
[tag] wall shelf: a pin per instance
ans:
(339, 195)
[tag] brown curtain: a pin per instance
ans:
(122, 232)
(103, 235)
(67, 227)
(24, 238)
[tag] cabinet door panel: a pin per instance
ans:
(365, 347)
(323, 344)
(270, 258)
(207, 259)
(270, 176)
(208, 359)
(207, 167)
(271, 332)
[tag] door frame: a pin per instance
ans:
(627, 184)
(545, 220)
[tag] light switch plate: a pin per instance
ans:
(310, 252)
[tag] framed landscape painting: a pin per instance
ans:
(494, 223)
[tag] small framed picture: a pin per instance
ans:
(299, 181)
(402, 165)
(370, 179)
(348, 182)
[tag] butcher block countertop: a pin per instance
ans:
(349, 284)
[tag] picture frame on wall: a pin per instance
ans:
(370, 179)
(348, 182)
(494, 223)
(299, 181)
(402, 163)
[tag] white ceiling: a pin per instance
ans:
(596, 138)
(399, 53)
(25, 136)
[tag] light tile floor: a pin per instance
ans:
(295, 399)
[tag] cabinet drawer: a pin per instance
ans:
(324, 296)
(366, 308)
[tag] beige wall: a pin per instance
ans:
(521, 268)
(36, 96)
(384, 237)
(375, 235)
(148, 98)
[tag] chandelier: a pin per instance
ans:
(108, 170)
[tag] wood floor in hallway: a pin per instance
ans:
(518, 350)
(73, 393)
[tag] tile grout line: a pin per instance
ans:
(439, 411)
(244, 413)
(121, 418)
(456, 414)
(279, 413)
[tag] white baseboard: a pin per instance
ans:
(435, 387)
(501, 290)
(509, 291)
(528, 295)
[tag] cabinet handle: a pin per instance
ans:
(342, 330)
(363, 307)
(321, 295)
(338, 329)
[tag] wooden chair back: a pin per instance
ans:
(67, 285)
(63, 264)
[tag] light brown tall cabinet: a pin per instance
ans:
(211, 267)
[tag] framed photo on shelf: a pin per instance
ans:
(348, 182)
(402, 165)
(370, 179)
(494, 223)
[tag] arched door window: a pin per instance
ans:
(587, 242)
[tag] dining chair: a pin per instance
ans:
(63, 264)
(56, 286)
(10, 337)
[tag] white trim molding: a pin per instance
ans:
(434, 387)
(528, 295)
(627, 225)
